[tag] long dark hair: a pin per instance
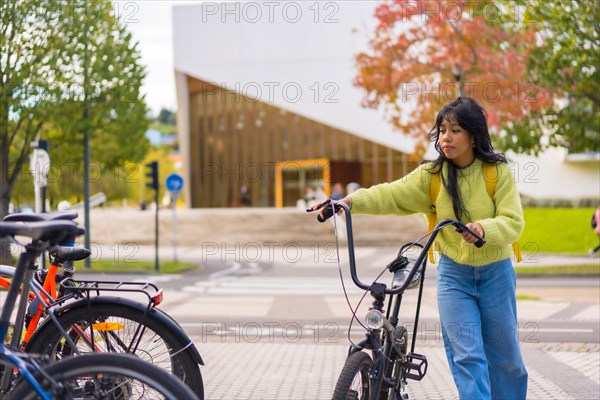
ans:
(470, 116)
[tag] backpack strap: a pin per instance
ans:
(434, 191)
(490, 176)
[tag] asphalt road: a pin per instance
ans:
(301, 298)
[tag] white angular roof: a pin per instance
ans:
(298, 56)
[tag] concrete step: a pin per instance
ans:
(246, 225)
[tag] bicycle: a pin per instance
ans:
(79, 319)
(384, 373)
(93, 376)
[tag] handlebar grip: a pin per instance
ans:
(480, 242)
(327, 207)
(328, 212)
(460, 227)
(321, 220)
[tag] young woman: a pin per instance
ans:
(476, 286)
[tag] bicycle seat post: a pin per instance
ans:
(31, 253)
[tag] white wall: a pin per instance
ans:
(291, 57)
(553, 175)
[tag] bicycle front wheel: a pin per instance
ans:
(116, 327)
(353, 382)
(107, 376)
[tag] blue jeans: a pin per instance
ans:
(478, 314)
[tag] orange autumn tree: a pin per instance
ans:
(425, 53)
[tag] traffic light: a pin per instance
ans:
(152, 174)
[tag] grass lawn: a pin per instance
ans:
(165, 267)
(592, 269)
(558, 230)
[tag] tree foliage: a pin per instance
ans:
(567, 61)
(58, 59)
(425, 53)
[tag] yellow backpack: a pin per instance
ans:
(490, 175)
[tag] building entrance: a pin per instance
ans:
(294, 180)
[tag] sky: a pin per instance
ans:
(151, 24)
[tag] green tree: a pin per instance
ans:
(567, 60)
(533, 64)
(58, 59)
(425, 53)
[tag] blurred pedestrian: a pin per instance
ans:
(596, 228)
(245, 196)
(352, 187)
(337, 192)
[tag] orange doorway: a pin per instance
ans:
(293, 178)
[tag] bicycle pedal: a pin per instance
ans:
(416, 366)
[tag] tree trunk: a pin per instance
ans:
(5, 192)
(459, 75)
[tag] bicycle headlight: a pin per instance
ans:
(374, 319)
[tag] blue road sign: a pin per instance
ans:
(174, 183)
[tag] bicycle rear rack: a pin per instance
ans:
(416, 366)
(79, 287)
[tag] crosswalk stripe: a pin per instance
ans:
(253, 285)
(158, 278)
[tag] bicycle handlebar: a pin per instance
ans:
(328, 213)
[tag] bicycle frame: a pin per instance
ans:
(24, 363)
(45, 295)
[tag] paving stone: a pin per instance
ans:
(282, 370)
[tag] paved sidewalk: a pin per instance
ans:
(303, 370)
(237, 315)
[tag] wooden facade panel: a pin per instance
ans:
(238, 141)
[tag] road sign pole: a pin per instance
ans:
(174, 204)
(174, 184)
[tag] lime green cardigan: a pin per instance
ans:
(500, 217)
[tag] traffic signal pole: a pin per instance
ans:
(152, 183)
(156, 266)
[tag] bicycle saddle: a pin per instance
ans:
(52, 216)
(52, 232)
(66, 253)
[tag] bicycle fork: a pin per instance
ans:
(382, 363)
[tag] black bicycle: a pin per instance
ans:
(384, 373)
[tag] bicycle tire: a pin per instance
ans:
(353, 382)
(158, 344)
(107, 376)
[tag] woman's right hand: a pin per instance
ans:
(319, 206)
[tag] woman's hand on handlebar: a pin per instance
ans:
(476, 228)
(324, 208)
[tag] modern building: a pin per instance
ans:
(267, 108)
(267, 103)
